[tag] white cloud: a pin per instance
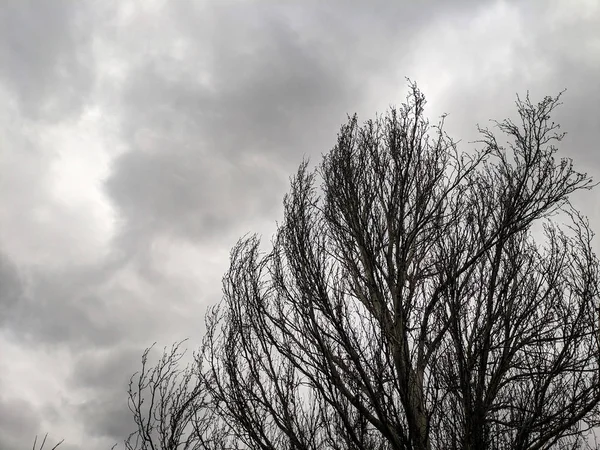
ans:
(57, 213)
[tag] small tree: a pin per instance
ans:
(171, 407)
(418, 298)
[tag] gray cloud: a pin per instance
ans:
(208, 109)
(229, 141)
(212, 144)
(18, 419)
(107, 414)
(63, 308)
(43, 56)
(11, 288)
(188, 192)
(92, 307)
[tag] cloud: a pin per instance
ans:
(11, 288)
(227, 100)
(141, 138)
(43, 56)
(511, 49)
(204, 157)
(106, 414)
(17, 420)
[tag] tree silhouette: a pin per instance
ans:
(415, 297)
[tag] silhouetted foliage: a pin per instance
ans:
(415, 297)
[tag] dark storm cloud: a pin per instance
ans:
(44, 59)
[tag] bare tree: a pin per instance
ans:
(44, 443)
(415, 297)
(419, 298)
(170, 407)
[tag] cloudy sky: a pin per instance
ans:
(139, 139)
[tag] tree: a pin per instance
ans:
(415, 297)
(171, 407)
(44, 443)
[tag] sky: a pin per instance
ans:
(140, 139)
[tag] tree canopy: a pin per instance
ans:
(414, 297)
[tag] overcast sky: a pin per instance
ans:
(139, 139)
